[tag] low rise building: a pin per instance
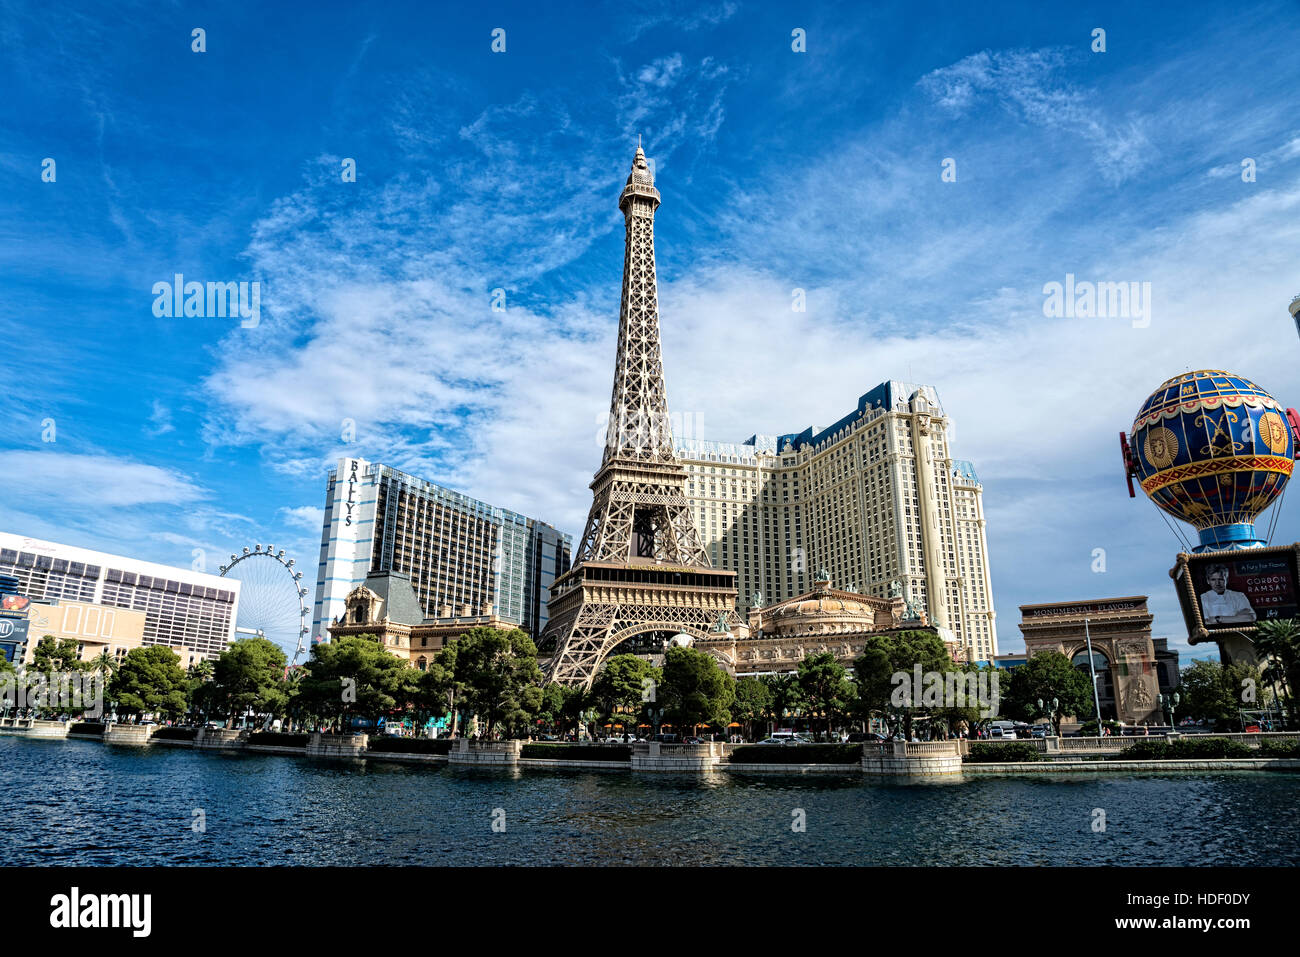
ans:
(189, 611)
(385, 606)
(1132, 669)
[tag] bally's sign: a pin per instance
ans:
(351, 501)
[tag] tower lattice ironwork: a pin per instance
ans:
(641, 566)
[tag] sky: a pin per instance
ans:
(920, 171)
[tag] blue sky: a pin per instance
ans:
(479, 170)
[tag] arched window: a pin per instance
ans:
(1105, 690)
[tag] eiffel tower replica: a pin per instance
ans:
(641, 569)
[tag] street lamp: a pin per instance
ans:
(1170, 703)
(1050, 710)
(1092, 669)
(654, 714)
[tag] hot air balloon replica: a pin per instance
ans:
(1215, 450)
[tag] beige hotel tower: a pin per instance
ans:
(875, 499)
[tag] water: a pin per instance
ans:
(80, 802)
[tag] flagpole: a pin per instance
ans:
(1096, 699)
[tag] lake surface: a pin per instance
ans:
(81, 802)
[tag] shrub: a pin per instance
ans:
(387, 744)
(577, 752)
(1279, 749)
(176, 734)
(797, 754)
(281, 739)
(1193, 748)
(86, 727)
(985, 751)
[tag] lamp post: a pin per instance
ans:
(1050, 709)
(1169, 703)
(654, 713)
(1092, 668)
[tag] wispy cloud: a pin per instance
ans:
(160, 420)
(1027, 84)
(99, 480)
(310, 518)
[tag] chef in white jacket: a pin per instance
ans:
(1222, 606)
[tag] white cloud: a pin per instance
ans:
(160, 420)
(310, 518)
(93, 480)
(507, 406)
(1025, 84)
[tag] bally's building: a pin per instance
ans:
(463, 558)
(876, 499)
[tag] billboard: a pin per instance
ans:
(13, 632)
(1233, 591)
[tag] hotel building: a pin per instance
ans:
(874, 499)
(462, 557)
(99, 599)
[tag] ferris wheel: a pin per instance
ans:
(272, 599)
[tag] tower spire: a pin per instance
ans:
(638, 407)
(641, 566)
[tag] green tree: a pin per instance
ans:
(552, 706)
(434, 692)
(623, 685)
(103, 664)
(1210, 691)
(52, 654)
(574, 702)
(199, 689)
(823, 685)
(249, 676)
(783, 695)
(150, 679)
(8, 685)
(1045, 676)
(356, 677)
(500, 678)
(1278, 642)
(694, 690)
(753, 699)
(886, 670)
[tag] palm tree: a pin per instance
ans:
(293, 678)
(103, 664)
(1279, 641)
